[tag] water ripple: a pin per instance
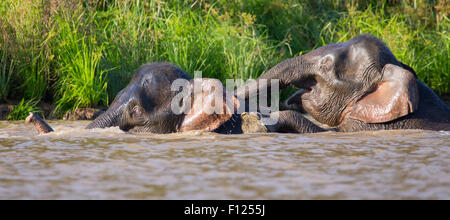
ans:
(74, 163)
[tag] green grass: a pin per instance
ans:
(22, 110)
(82, 54)
(81, 83)
(25, 35)
(193, 39)
(6, 70)
(426, 51)
(34, 77)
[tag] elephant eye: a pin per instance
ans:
(137, 111)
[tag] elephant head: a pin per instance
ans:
(210, 105)
(150, 103)
(147, 89)
(359, 80)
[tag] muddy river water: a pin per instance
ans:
(73, 163)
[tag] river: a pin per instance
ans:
(73, 163)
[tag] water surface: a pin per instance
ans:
(73, 163)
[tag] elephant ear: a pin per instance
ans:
(395, 96)
(210, 107)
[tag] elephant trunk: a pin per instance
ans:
(287, 72)
(110, 118)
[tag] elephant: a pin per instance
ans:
(147, 105)
(357, 85)
(146, 82)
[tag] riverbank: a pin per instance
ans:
(47, 111)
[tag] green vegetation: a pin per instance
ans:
(81, 82)
(82, 53)
(22, 110)
(6, 70)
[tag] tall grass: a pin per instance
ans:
(195, 39)
(125, 27)
(26, 36)
(6, 71)
(426, 51)
(81, 82)
(34, 75)
(22, 110)
(82, 53)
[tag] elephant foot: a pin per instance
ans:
(251, 123)
(41, 126)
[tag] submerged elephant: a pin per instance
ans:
(357, 85)
(146, 105)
